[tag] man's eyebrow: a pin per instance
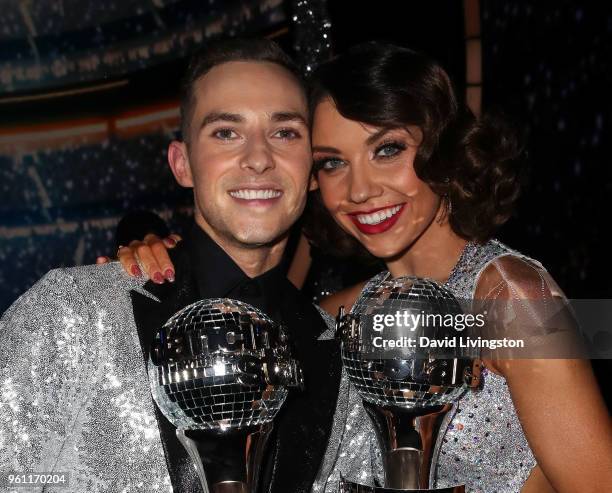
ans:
(215, 116)
(288, 116)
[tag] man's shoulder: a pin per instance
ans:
(71, 285)
(94, 277)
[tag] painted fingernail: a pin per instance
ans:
(136, 271)
(158, 278)
(171, 241)
(169, 275)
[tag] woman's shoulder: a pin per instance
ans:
(512, 274)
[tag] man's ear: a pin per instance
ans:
(178, 159)
(314, 184)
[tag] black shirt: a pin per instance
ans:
(216, 275)
(302, 426)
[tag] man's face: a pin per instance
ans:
(248, 157)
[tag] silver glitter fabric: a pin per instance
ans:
(352, 451)
(74, 393)
(481, 443)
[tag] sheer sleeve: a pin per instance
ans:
(523, 305)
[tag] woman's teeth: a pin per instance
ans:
(247, 194)
(378, 216)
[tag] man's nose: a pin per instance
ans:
(258, 155)
(363, 185)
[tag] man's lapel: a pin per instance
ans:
(306, 417)
(153, 305)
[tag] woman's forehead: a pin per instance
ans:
(330, 125)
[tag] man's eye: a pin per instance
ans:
(390, 149)
(225, 134)
(328, 164)
(287, 133)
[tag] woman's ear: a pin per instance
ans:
(314, 184)
(178, 159)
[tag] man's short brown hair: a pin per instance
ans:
(228, 50)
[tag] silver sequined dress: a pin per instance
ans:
(481, 443)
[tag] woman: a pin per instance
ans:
(408, 174)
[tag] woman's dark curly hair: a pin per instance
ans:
(472, 164)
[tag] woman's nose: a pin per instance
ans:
(363, 185)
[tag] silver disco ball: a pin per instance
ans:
(407, 377)
(221, 364)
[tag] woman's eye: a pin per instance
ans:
(287, 133)
(389, 150)
(328, 164)
(225, 134)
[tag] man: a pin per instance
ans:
(74, 390)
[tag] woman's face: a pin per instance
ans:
(367, 181)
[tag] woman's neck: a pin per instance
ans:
(433, 255)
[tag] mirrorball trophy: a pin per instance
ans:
(406, 391)
(219, 371)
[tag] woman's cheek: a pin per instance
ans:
(332, 202)
(330, 194)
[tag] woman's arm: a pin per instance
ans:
(565, 421)
(558, 401)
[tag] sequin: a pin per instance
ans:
(74, 395)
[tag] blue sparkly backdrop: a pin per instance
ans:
(547, 67)
(60, 207)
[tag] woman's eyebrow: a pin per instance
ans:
(332, 150)
(377, 135)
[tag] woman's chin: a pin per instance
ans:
(384, 252)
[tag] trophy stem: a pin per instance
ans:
(227, 462)
(402, 468)
(407, 438)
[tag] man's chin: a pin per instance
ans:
(260, 238)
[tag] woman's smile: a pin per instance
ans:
(377, 220)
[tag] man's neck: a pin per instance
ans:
(253, 260)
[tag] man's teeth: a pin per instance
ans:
(249, 194)
(378, 216)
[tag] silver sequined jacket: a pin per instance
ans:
(481, 443)
(74, 393)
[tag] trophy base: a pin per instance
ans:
(348, 487)
(230, 487)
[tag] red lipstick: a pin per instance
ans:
(372, 229)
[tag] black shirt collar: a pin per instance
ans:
(218, 276)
